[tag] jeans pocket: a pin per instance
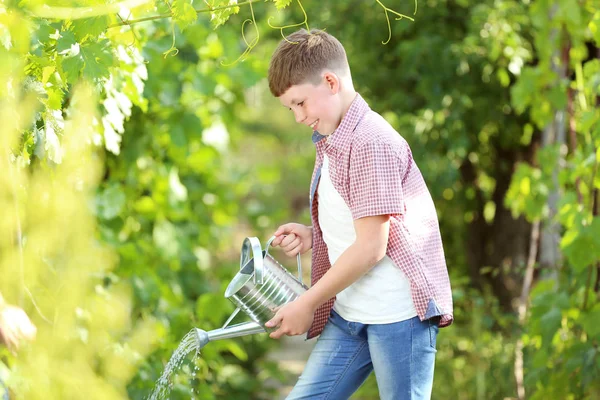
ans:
(433, 330)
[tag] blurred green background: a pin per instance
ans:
(138, 151)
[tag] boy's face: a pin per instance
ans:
(316, 106)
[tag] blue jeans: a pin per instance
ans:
(402, 354)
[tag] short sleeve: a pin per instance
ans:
(376, 174)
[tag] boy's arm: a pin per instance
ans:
(367, 250)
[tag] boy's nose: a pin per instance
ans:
(300, 117)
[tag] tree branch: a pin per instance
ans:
(522, 310)
(71, 13)
(161, 16)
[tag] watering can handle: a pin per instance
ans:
(252, 243)
(297, 258)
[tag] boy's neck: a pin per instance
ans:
(347, 98)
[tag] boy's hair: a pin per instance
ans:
(302, 56)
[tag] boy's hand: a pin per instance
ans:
(294, 318)
(15, 326)
(293, 238)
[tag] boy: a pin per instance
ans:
(380, 287)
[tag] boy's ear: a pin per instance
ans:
(332, 81)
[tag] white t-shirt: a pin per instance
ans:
(383, 294)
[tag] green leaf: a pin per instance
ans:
(237, 350)
(94, 59)
(594, 26)
(522, 93)
(550, 323)
(178, 137)
(110, 202)
(588, 119)
(97, 58)
(219, 17)
(581, 244)
(44, 30)
(557, 96)
(202, 160)
(164, 236)
(527, 193)
(72, 67)
(548, 157)
(47, 73)
(527, 135)
(571, 11)
(145, 205)
(596, 132)
(590, 322)
(89, 27)
(55, 97)
(568, 209)
(542, 291)
(65, 42)
(215, 308)
(503, 77)
(281, 4)
(184, 13)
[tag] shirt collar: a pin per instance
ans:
(355, 113)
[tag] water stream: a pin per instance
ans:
(163, 386)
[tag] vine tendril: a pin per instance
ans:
(398, 18)
(281, 28)
(173, 51)
(250, 46)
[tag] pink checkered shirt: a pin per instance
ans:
(372, 168)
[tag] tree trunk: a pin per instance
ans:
(502, 244)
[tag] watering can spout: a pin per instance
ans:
(202, 337)
(247, 328)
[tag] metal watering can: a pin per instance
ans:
(259, 288)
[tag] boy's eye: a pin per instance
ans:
(301, 103)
